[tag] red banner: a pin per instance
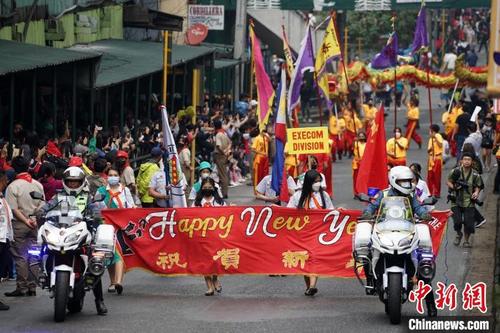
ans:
(242, 240)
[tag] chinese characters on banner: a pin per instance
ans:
(242, 240)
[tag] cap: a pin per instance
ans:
(156, 151)
(121, 154)
(75, 161)
(205, 165)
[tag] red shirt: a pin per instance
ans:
(51, 186)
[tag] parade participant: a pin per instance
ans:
(185, 158)
(449, 120)
(369, 112)
(312, 164)
(413, 115)
(116, 196)
(260, 147)
(311, 196)
(460, 132)
(464, 185)
(397, 148)
(359, 150)
(208, 196)
(336, 128)
(76, 193)
(435, 164)
(23, 223)
(291, 162)
(265, 192)
(6, 231)
(352, 126)
(146, 172)
(204, 171)
(401, 183)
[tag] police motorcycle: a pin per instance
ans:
(72, 253)
(395, 249)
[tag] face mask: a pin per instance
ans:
(398, 135)
(246, 136)
(113, 180)
(316, 186)
(205, 175)
(207, 192)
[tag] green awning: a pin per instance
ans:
(17, 57)
(124, 60)
(223, 63)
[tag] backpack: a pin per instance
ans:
(146, 172)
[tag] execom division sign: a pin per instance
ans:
(308, 140)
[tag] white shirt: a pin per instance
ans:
(159, 183)
(294, 201)
(422, 192)
(475, 139)
(264, 187)
(193, 193)
(6, 232)
(449, 59)
(125, 196)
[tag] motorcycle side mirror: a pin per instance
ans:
(429, 201)
(36, 195)
(363, 197)
(98, 197)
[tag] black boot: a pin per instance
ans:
(3, 306)
(101, 308)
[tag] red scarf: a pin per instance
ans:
(25, 176)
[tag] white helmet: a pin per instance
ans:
(73, 174)
(401, 179)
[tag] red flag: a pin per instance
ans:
(373, 167)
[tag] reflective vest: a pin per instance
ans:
(79, 202)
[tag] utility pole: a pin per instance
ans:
(239, 46)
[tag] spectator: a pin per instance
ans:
(50, 184)
(24, 224)
(146, 172)
(6, 232)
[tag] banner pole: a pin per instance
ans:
(165, 67)
(196, 95)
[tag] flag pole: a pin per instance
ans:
(395, 89)
(315, 77)
(251, 67)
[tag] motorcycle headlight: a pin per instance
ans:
(73, 237)
(385, 242)
(51, 237)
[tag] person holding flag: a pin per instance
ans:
(359, 150)
(260, 147)
(435, 165)
(397, 148)
(280, 180)
(413, 115)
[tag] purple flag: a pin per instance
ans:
(388, 57)
(305, 62)
(420, 39)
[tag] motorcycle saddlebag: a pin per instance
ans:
(362, 238)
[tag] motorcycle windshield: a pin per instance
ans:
(55, 217)
(395, 214)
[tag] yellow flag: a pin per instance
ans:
(329, 49)
(288, 55)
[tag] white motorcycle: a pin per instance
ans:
(395, 249)
(72, 255)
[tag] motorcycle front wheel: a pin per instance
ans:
(75, 304)
(394, 298)
(61, 295)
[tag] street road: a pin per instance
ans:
(248, 303)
